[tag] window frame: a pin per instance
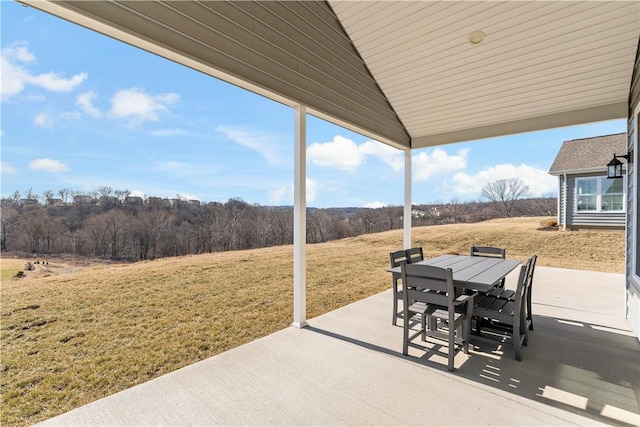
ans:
(599, 180)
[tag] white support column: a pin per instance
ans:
(564, 197)
(407, 199)
(300, 219)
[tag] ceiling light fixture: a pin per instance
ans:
(476, 37)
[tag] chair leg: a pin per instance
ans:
(479, 322)
(529, 312)
(466, 335)
(405, 333)
(452, 347)
(517, 342)
(394, 320)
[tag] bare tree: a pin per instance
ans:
(547, 205)
(104, 191)
(30, 195)
(15, 198)
(47, 196)
(503, 193)
(64, 194)
(9, 217)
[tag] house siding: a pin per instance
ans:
(632, 272)
(586, 219)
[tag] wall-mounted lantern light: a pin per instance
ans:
(614, 167)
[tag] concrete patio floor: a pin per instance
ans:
(582, 367)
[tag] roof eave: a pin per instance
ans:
(582, 171)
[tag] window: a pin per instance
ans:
(612, 199)
(599, 194)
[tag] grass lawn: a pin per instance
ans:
(74, 333)
(9, 268)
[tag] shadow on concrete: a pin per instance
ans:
(589, 369)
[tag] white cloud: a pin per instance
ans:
(137, 106)
(48, 165)
(55, 83)
(312, 190)
(539, 181)
(375, 205)
(437, 161)
(15, 77)
(85, 102)
(7, 168)
(341, 153)
(389, 155)
(284, 194)
(19, 53)
(344, 154)
(270, 146)
(43, 120)
(280, 194)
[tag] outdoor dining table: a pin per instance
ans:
(473, 273)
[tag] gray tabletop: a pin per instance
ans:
(479, 273)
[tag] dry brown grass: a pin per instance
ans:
(73, 334)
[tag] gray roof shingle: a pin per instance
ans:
(588, 153)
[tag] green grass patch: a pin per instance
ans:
(9, 267)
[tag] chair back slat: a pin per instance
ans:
(398, 258)
(420, 277)
(415, 255)
(427, 283)
(488, 251)
(429, 297)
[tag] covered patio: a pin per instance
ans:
(582, 367)
(411, 75)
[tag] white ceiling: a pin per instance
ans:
(539, 63)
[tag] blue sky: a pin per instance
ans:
(82, 111)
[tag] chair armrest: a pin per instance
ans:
(463, 299)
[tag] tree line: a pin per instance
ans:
(119, 231)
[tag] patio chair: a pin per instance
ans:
(397, 259)
(489, 251)
(415, 255)
(503, 315)
(429, 292)
(529, 314)
(509, 294)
